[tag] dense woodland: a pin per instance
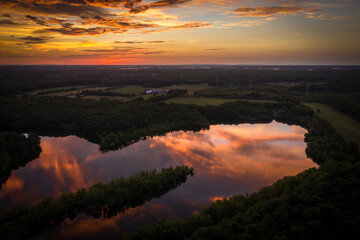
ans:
(114, 124)
(319, 203)
(16, 150)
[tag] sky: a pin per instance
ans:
(115, 32)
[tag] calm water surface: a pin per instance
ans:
(228, 159)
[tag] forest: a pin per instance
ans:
(16, 150)
(318, 203)
(115, 124)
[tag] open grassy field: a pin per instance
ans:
(343, 124)
(57, 89)
(257, 100)
(201, 101)
(95, 97)
(73, 92)
(64, 91)
(129, 89)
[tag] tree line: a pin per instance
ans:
(114, 124)
(16, 150)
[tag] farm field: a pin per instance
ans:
(343, 124)
(201, 101)
(60, 89)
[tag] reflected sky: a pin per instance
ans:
(228, 159)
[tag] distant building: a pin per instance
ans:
(157, 91)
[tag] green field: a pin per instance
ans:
(57, 89)
(65, 91)
(129, 89)
(343, 124)
(257, 100)
(201, 101)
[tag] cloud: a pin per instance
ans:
(158, 4)
(95, 14)
(288, 1)
(37, 20)
(139, 42)
(250, 23)
(43, 21)
(84, 7)
(264, 11)
(214, 49)
(35, 40)
(115, 22)
(183, 26)
(9, 22)
(325, 17)
(54, 7)
(6, 15)
(81, 31)
(122, 51)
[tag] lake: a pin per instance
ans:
(228, 159)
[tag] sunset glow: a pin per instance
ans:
(179, 32)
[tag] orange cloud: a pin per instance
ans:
(267, 11)
(35, 40)
(259, 151)
(183, 26)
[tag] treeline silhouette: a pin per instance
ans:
(16, 150)
(21, 79)
(100, 200)
(115, 124)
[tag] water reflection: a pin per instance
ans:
(228, 159)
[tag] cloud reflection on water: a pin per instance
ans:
(228, 159)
